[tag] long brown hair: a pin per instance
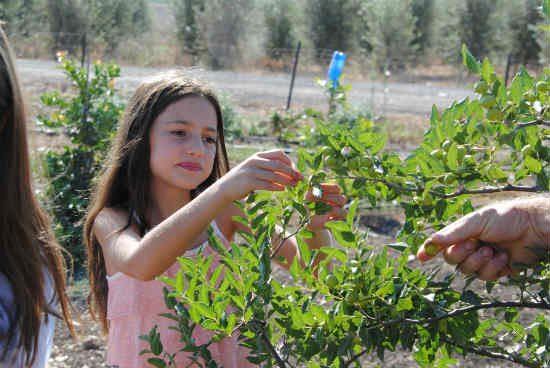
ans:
(126, 177)
(27, 244)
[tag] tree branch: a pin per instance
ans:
(300, 227)
(260, 328)
(486, 190)
(489, 354)
(457, 312)
(355, 357)
(531, 123)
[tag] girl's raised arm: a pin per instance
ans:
(148, 257)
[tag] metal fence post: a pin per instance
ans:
(293, 74)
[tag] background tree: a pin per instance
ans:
(66, 22)
(188, 28)
(423, 12)
(279, 21)
(391, 32)
(522, 19)
(227, 28)
(332, 25)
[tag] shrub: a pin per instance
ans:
(88, 120)
(332, 26)
(280, 20)
(391, 32)
(361, 300)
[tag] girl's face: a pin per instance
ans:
(183, 144)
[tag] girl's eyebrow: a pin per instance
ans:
(183, 122)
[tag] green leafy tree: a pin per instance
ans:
(522, 20)
(227, 28)
(188, 27)
(332, 25)
(423, 13)
(88, 119)
(66, 19)
(21, 17)
(391, 32)
(361, 300)
(279, 20)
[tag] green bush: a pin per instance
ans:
(364, 301)
(88, 120)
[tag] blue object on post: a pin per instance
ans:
(336, 66)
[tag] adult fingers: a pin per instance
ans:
(457, 253)
(476, 261)
(495, 268)
(468, 227)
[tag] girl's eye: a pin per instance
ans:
(179, 133)
(210, 140)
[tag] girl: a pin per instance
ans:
(32, 267)
(166, 179)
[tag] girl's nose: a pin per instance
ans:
(196, 147)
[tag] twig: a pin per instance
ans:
(486, 190)
(531, 123)
(265, 338)
(355, 357)
(457, 312)
(300, 227)
(511, 357)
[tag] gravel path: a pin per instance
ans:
(263, 89)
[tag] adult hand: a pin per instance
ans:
(493, 240)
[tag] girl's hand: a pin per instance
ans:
(330, 194)
(269, 170)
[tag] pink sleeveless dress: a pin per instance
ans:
(133, 308)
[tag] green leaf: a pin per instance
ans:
(351, 213)
(487, 70)
(157, 362)
(469, 60)
(452, 157)
(405, 304)
(532, 164)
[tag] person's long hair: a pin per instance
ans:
(125, 181)
(27, 244)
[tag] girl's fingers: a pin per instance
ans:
(276, 155)
(274, 177)
(280, 167)
(330, 194)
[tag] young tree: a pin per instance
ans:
(423, 12)
(227, 26)
(188, 28)
(332, 25)
(279, 20)
(391, 32)
(66, 19)
(522, 19)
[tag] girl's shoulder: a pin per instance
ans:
(109, 220)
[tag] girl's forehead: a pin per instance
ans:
(195, 110)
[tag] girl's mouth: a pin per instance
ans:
(191, 166)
